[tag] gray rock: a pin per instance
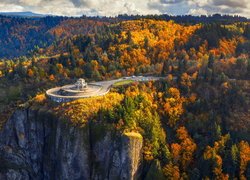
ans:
(34, 144)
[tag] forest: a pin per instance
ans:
(195, 123)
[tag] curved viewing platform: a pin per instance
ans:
(81, 89)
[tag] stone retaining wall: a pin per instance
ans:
(62, 99)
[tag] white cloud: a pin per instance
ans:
(200, 3)
(10, 8)
(115, 7)
(198, 12)
(28, 2)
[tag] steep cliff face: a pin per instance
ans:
(37, 145)
(117, 157)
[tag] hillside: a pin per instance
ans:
(193, 123)
(23, 32)
(19, 36)
(22, 14)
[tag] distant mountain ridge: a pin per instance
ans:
(23, 32)
(23, 14)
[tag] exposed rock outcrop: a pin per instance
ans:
(37, 145)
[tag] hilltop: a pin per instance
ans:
(191, 124)
(21, 35)
(22, 14)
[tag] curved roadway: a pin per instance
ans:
(105, 88)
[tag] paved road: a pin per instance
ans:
(107, 84)
(105, 88)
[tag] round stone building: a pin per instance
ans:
(76, 91)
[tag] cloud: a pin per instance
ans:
(202, 7)
(231, 3)
(115, 7)
(171, 1)
(10, 7)
(198, 12)
(28, 2)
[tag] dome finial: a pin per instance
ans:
(81, 84)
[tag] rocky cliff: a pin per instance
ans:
(35, 144)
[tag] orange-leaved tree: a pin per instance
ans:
(244, 158)
(174, 106)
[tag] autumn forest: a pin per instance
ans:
(195, 122)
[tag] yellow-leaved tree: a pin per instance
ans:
(174, 106)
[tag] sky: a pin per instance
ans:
(115, 7)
